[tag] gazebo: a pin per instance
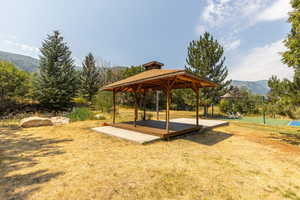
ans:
(152, 79)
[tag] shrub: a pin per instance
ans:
(80, 100)
(80, 114)
(103, 101)
(225, 106)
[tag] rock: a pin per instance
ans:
(60, 120)
(99, 116)
(35, 122)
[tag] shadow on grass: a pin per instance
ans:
(290, 138)
(18, 152)
(208, 137)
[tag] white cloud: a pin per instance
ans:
(279, 10)
(23, 47)
(241, 14)
(261, 63)
(219, 13)
(10, 45)
(232, 45)
(226, 19)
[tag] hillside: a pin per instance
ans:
(30, 64)
(257, 87)
(25, 63)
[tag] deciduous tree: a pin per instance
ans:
(14, 83)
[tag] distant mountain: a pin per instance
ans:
(257, 87)
(120, 68)
(25, 63)
(30, 64)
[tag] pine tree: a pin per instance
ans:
(57, 82)
(205, 58)
(90, 77)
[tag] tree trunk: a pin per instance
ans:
(205, 111)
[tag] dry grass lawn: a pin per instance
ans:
(241, 161)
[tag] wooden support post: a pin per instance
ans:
(168, 110)
(196, 90)
(157, 105)
(135, 108)
(167, 89)
(197, 107)
(144, 104)
(114, 106)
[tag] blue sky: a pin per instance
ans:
(132, 32)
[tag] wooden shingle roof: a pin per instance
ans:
(155, 78)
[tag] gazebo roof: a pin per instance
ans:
(155, 78)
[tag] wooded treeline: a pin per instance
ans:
(60, 86)
(284, 97)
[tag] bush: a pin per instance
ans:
(103, 101)
(225, 106)
(80, 101)
(80, 114)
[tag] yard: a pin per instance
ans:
(269, 121)
(240, 161)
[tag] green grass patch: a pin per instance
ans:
(81, 114)
(259, 120)
(290, 195)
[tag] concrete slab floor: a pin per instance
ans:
(143, 138)
(127, 134)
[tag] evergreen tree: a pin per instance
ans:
(90, 77)
(205, 58)
(57, 82)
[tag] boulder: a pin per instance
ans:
(35, 122)
(100, 117)
(60, 120)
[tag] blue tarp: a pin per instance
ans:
(294, 123)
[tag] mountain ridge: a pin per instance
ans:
(23, 62)
(30, 64)
(256, 87)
